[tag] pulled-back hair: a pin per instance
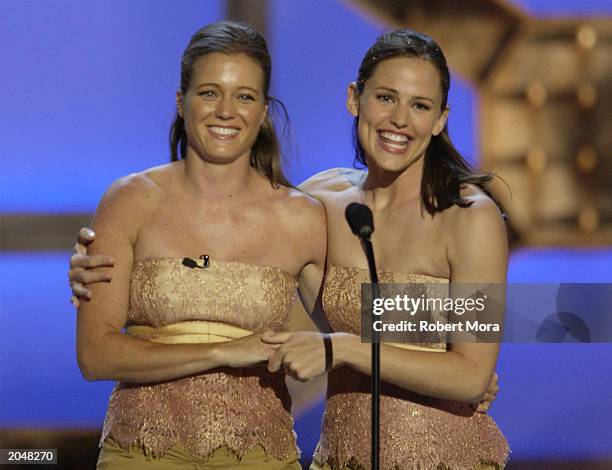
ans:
(444, 169)
(228, 37)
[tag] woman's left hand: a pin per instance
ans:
(301, 354)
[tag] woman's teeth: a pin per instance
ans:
(394, 138)
(224, 131)
(393, 142)
(395, 146)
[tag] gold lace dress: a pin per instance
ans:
(416, 432)
(231, 408)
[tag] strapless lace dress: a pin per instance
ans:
(416, 432)
(226, 407)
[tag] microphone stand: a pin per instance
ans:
(375, 443)
(361, 220)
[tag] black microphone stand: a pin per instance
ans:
(375, 445)
(361, 220)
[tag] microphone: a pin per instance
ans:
(360, 219)
(193, 264)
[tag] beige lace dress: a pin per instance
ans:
(237, 409)
(416, 432)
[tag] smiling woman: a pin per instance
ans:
(225, 107)
(191, 389)
(399, 111)
(435, 224)
(240, 86)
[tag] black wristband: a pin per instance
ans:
(329, 352)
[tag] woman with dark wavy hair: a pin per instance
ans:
(206, 260)
(435, 223)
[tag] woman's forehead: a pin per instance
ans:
(402, 73)
(239, 69)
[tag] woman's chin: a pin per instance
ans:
(221, 157)
(391, 163)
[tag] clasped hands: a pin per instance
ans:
(302, 357)
(300, 354)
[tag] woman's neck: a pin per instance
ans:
(219, 181)
(383, 188)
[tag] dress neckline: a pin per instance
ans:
(382, 271)
(218, 263)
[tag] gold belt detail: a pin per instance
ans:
(190, 332)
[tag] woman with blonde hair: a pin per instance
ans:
(206, 262)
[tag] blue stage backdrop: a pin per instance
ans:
(87, 95)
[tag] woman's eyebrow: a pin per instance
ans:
(208, 84)
(246, 87)
(426, 98)
(385, 88)
(241, 87)
(393, 90)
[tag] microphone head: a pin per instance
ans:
(360, 219)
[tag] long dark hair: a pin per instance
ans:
(228, 37)
(444, 169)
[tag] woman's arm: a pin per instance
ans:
(310, 225)
(103, 351)
(477, 252)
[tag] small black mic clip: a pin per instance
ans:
(193, 264)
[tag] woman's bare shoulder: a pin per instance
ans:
(299, 220)
(162, 175)
(132, 197)
(302, 208)
(476, 239)
(481, 223)
(135, 186)
(481, 208)
(333, 180)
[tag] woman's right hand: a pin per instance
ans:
(82, 267)
(248, 351)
